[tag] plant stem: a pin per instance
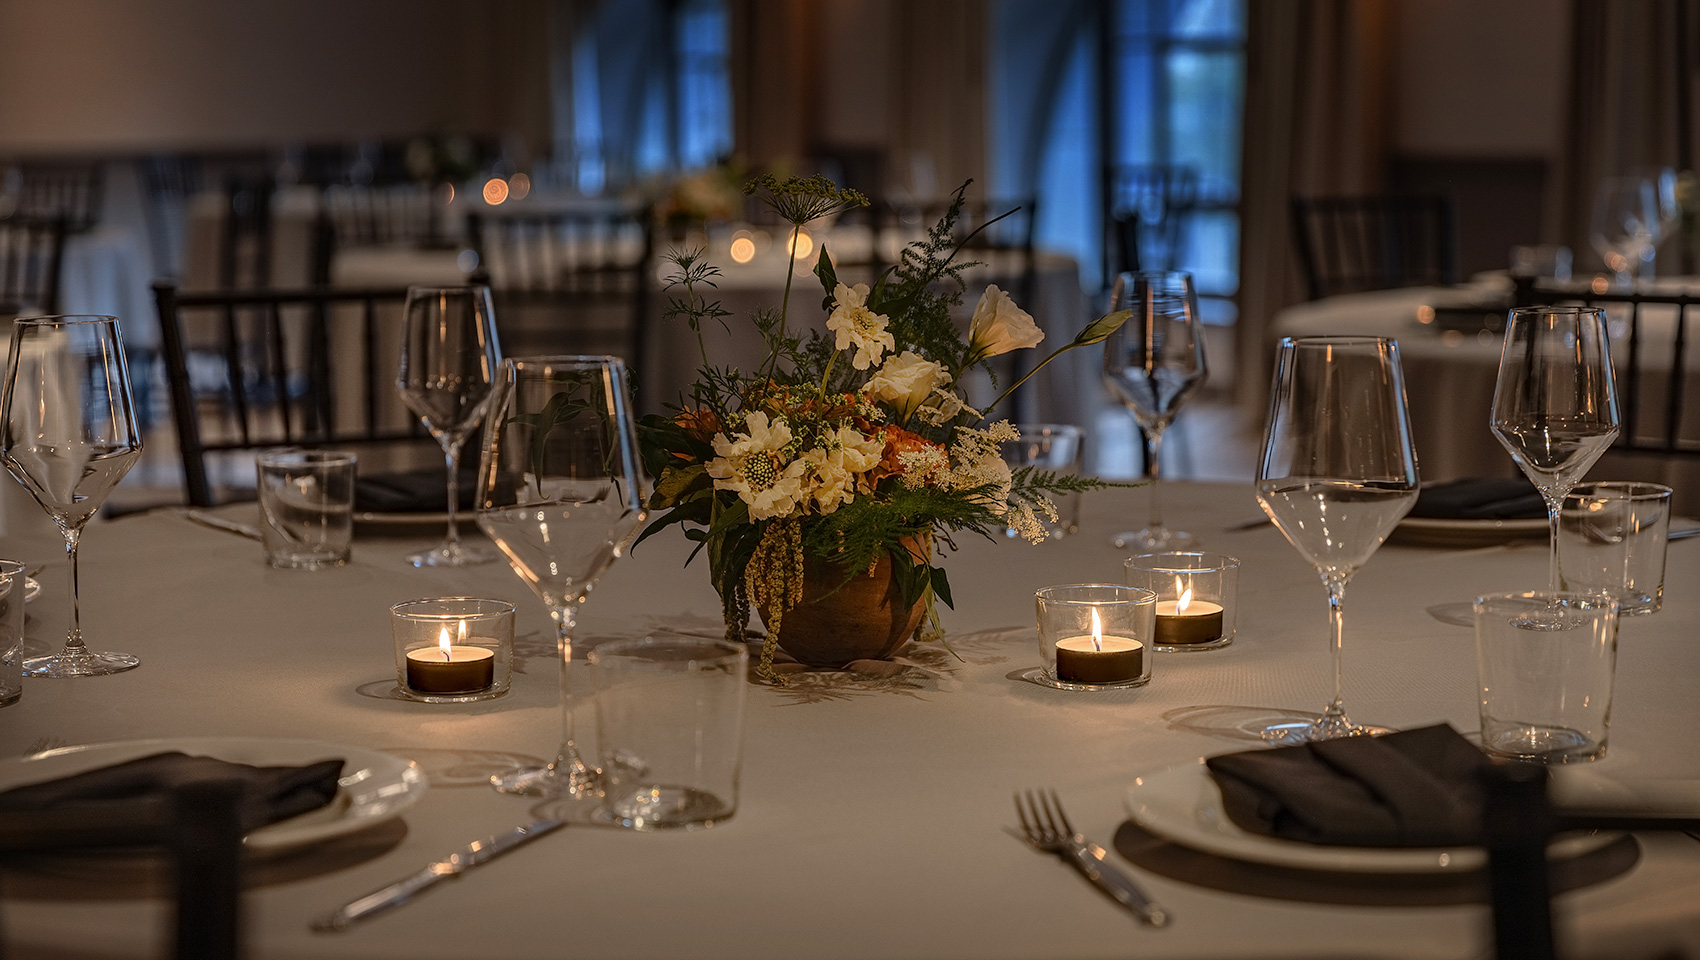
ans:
(1025, 377)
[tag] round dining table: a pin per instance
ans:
(875, 817)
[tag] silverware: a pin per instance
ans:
(1046, 828)
(405, 889)
(213, 522)
(1683, 534)
(1250, 524)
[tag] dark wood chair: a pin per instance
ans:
(1353, 244)
(1653, 344)
(570, 281)
(31, 252)
(50, 190)
(250, 369)
(1148, 218)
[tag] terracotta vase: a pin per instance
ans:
(865, 619)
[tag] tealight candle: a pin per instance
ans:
(451, 668)
(1099, 659)
(1186, 620)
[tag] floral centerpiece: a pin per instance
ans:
(837, 467)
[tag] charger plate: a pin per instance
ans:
(373, 787)
(1183, 805)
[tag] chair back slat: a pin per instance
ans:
(1352, 244)
(31, 254)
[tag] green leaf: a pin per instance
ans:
(560, 409)
(941, 585)
(1100, 329)
(828, 277)
(675, 482)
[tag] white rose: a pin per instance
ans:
(1000, 326)
(906, 380)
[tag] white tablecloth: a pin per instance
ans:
(873, 820)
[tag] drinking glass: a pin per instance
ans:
(1151, 363)
(68, 433)
(562, 494)
(1338, 472)
(448, 360)
(1555, 403)
(1625, 227)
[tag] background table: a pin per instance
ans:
(873, 817)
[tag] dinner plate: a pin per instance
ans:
(1436, 532)
(373, 787)
(1182, 804)
(401, 521)
(32, 589)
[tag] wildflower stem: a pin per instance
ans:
(827, 375)
(1024, 378)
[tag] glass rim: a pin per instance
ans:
(1223, 561)
(1591, 599)
(1557, 310)
(1336, 339)
(10, 567)
(307, 455)
(629, 649)
(503, 608)
(1633, 490)
(1155, 274)
(64, 319)
(445, 287)
(1134, 595)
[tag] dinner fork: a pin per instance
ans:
(1047, 828)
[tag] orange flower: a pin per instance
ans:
(897, 442)
(701, 423)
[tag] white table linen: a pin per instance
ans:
(872, 821)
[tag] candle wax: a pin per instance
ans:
(467, 669)
(1120, 660)
(1200, 622)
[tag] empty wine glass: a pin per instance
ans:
(1555, 403)
(1625, 226)
(1338, 472)
(1151, 363)
(562, 494)
(68, 433)
(448, 360)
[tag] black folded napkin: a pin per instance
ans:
(415, 491)
(268, 794)
(1480, 498)
(1419, 788)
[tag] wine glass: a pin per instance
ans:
(1555, 403)
(1151, 363)
(562, 494)
(1338, 472)
(448, 359)
(1625, 227)
(68, 433)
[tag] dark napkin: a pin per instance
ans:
(1480, 498)
(269, 794)
(415, 491)
(1419, 788)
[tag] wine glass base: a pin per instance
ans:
(62, 665)
(1158, 539)
(1293, 732)
(452, 555)
(548, 783)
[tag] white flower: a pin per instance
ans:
(753, 467)
(944, 406)
(906, 380)
(837, 464)
(858, 326)
(1000, 326)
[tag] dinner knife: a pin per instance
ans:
(472, 855)
(214, 522)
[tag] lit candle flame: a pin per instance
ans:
(443, 644)
(1097, 632)
(1185, 599)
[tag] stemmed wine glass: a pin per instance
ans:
(562, 494)
(1625, 225)
(1555, 403)
(1338, 472)
(1151, 363)
(448, 360)
(68, 433)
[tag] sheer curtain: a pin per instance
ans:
(1317, 121)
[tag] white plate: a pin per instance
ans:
(1183, 804)
(373, 788)
(32, 589)
(1436, 532)
(439, 519)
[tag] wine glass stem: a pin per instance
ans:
(74, 646)
(451, 453)
(567, 763)
(1555, 506)
(1153, 465)
(1336, 639)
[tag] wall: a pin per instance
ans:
(98, 75)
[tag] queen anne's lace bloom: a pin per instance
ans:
(754, 467)
(858, 326)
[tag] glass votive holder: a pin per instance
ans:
(1094, 636)
(453, 649)
(1195, 598)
